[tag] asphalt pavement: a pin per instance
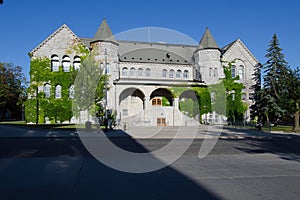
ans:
(54, 164)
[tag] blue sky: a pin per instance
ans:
(25, 24)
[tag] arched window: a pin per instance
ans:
(132, 71)
(233, 74)
(58, 91)
(215, 72)
(185, 74)
(140, 72)
(147, 72)
(124, 71)
(164, 73)
(171, 73)
(210, 73)
(54, 63)
(66, 63)
(71, 92)
(77, 62)
(178, 73)
(47, 89)
(241, 71)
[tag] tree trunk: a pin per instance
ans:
(296, 118)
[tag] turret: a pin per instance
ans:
(207, 58)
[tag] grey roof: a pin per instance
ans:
(207, 41)
(152, 52)
(104, 33)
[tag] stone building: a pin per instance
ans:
(141, 74)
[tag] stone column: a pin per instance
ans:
(147, 103)
(176, 103)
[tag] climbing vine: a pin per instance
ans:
(37, 107)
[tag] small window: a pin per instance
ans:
(132, 71)
(125, 112)
(147, 72)
(58, 91)
(47, 88)
(124, 71)
(171, 73)
(178, 74)
(156, 102)
(233, 74)
(140, 72)
(215, 72)
(185, 74)
(66, 63)
(77, 62)
(164, 73)
(71, 92)
(210, 72)
(241, 72)
(54, 63)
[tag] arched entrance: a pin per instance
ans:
(131, 102)
(162, 107)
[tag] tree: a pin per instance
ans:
(89, 86)
(12, 91)
(293, 96)
(275, 81)
(1, 1)
(257, 109)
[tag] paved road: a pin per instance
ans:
(61, 168)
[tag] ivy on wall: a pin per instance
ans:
(56, 110)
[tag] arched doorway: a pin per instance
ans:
(162, 106)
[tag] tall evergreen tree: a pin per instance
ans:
(293, 96)
(276, 74)
(257, 95)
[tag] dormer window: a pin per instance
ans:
(66, 63)
(54, 63)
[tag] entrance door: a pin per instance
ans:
(161, 122)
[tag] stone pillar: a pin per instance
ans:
(176, 103)
(147, 103)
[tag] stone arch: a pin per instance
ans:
(131, 102)
(163, 92)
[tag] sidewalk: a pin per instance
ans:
(200, 132)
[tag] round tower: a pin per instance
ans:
(208, 67)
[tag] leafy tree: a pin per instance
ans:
(89, 85)
(275, 81)
(12, 91)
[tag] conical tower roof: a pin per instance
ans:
(207, 41)
(104, 33)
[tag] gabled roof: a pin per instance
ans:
(64, 26)
(104, 33)
(229, 47)
(207, 41)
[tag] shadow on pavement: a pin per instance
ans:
(61, 168)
